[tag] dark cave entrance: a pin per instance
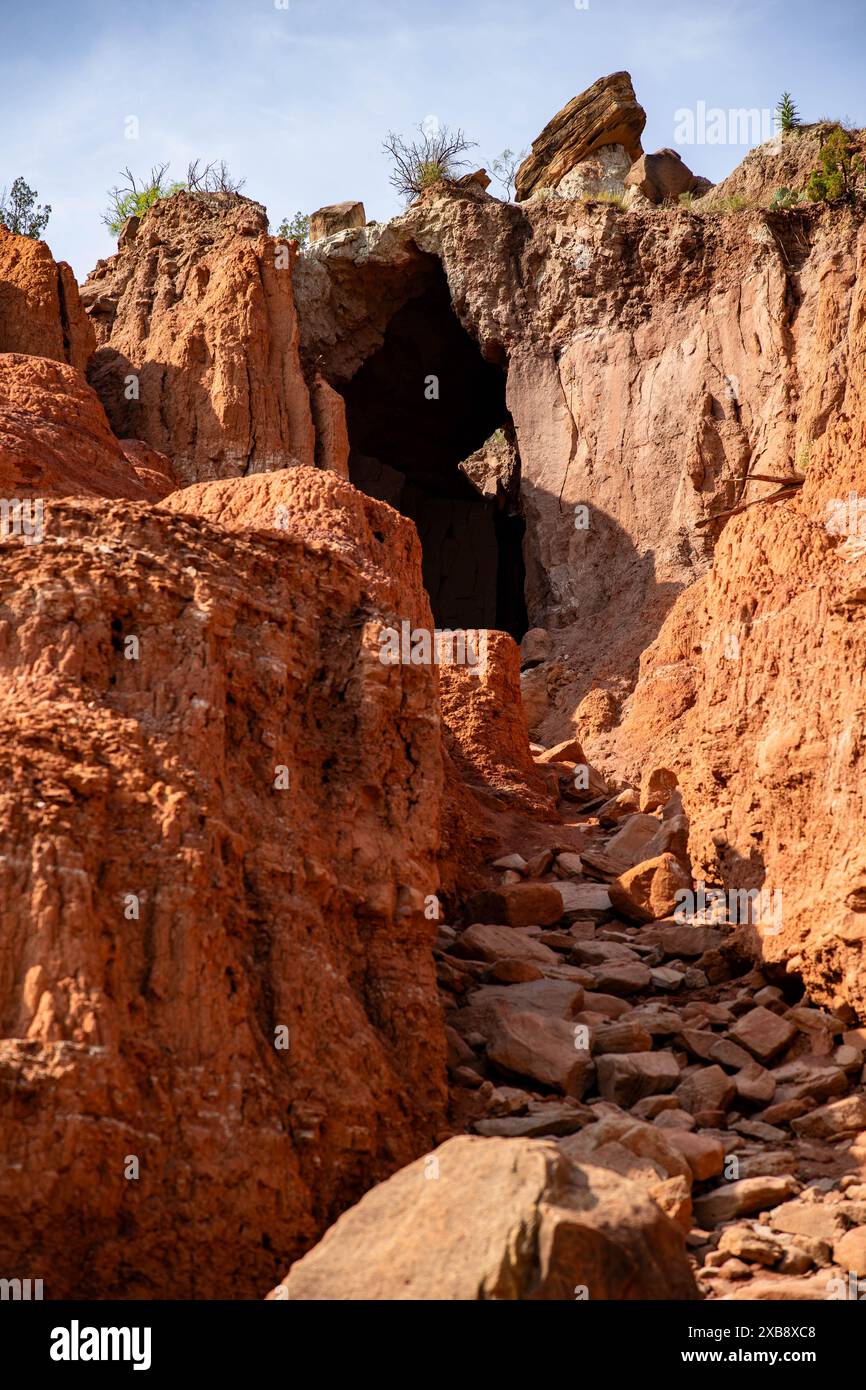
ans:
(422, 405)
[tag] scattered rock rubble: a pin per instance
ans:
(643, 1042)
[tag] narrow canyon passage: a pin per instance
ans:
(424, 404)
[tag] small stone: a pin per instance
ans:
(727, 1054)
(785, 1111)
(485, 941)
(600, 952)
(707, 1088)
(618, 807)
(756, 1129)
(623, 1036)
(665, 979)
(542, 996)
(795, 1260)
(651, 1106)
(610, 1005)
(742, 1198)
(848, 1058)
(755, 1084)
(675, 1119)
(515, 862)
(704, 1155)
(746, 1244)
(763, 1033)
(542, 1047)
(569, 864)
(809, 1078)
(680, 939)
(769, 996)
(467, 1077)
(849, 1251)
(552, 1119)
(621, 979)
(521, 905)
(846, 1116)
(514, 972)
(583, 900)
(649, 891)
(539, 863)
(627, 1077)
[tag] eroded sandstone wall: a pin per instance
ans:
(198, 339)
(754, 690)
(220, 820)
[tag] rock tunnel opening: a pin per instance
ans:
(430, 433)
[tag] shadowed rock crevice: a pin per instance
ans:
(430, 433)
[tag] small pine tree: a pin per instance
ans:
(296, 228)
(841, 172)
(21, 213)
(787, 114)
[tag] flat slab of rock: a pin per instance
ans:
(561, 998)
(621, 977)
(540, 1121)
(763, 1033)
(815, 1219)
(626, 847)
(627, 1077)
(681, 940)
(542, 1047)
(590, 900)
(624, 1036)
(483, 941)
(845, 1116)
(497, 1219)
(518, 905)
(742, 1198)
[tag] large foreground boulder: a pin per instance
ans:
(498, 1219)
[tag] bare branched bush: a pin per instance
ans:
(213, 178)
(132, 198)
(433, 157)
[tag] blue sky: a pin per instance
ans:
(298, 99)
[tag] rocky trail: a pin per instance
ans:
(656, 1049)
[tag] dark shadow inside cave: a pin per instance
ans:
(426, 402)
